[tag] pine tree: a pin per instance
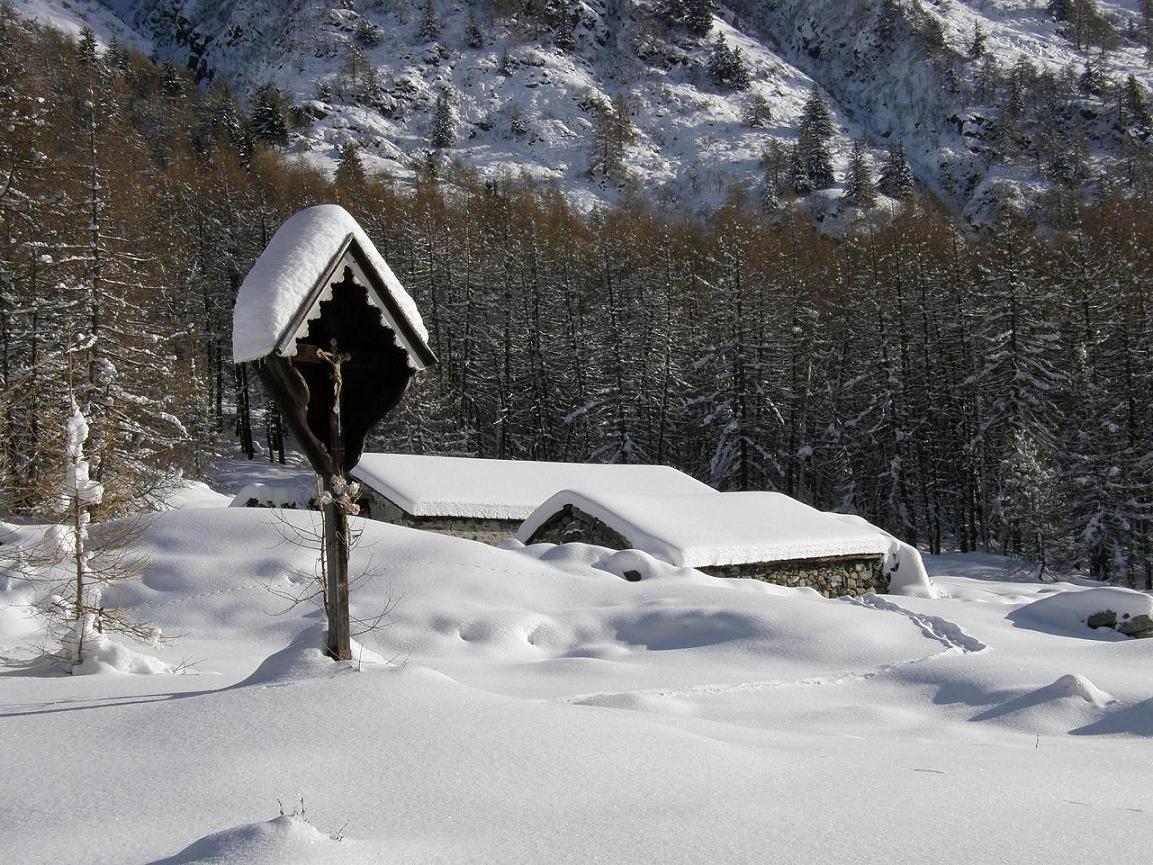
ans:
(896, 176)
(757, 113)
(350, 174)
(1094, 77)
(727, 67)
(699, 16)
(270, 115)
(799, 178)
(815, 130)
(443, 123)
(429, 28)
(977, 44)
(613, 131)
(564, 36)
(816, 121)
(473, 34)
(860, 190)
(1134, 106)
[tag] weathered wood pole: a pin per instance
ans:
(338, 645)
(335, 519)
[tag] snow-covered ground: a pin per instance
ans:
(526, 705)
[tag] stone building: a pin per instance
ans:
(487, 500)
(762, 535)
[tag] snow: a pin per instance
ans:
(1068, 612)
(698, 530)
(503, 489)
(538, 707)
(286, 274)
(78, 487)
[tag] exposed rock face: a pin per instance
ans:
(831, 577)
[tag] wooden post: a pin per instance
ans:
(335, 520)
(338, 646)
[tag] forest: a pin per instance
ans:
(964, 388)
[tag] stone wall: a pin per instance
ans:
(375, 506)
(832, 577)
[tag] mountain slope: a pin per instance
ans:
(369, 71)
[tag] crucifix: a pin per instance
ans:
(336, 360)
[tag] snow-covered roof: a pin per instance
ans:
(503, 489)
(305, 256)
(700, 531)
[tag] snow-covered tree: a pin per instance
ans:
(473, 34)
(727, 67)
(270, 115)
(977, 43)
(612, 131)
(757, 113)
(443, 132)
(860, 189)
(815, 130)
(429, 28)
(80, 608)
(896, 180)
(699, 16)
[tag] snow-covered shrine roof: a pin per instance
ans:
(700, 531)
(502, 489)
(306, 256)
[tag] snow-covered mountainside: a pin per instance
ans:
(524, 79)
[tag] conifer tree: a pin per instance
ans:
(350, 172)
(429, 28)
(270, 115)
(757, 113)
(977, 44)
(860, 190)
(473, 34)
(726, 66)
(443, 123)
(699, 16)
(1134, 105)
(815, 131)
(799, 178)
(896, 176)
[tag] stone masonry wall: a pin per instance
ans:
(377, 507)
(831, 577)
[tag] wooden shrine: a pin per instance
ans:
(335, 340)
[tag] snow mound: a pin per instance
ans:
(289, 838)
(1067, 613)
(304, 658)
(1069, 703)
(1135, 720)
(635, 565)
(187, 494)
(293, 493)
(103, 655)
(903, 563)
